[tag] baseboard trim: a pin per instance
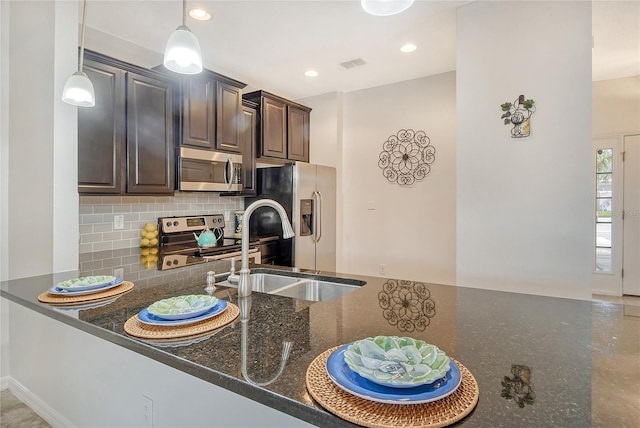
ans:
(606, 293)
(54, 418)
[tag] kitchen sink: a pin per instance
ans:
(305, 288)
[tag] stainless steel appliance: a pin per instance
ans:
(205, 170)
(179, 247)
(308, 194)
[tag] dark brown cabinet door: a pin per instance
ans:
(298, 142)
(199, 112)
(248, 142)
(101, 133)
(274, 128)
(228, 108)
(150, 146)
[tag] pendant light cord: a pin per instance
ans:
(84, 14)
(184, 13)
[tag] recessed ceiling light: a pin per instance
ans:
(409, 47)
(311, 73)
(200, 14)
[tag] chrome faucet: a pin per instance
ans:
(244, 280)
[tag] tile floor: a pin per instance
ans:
(15, 414)
(605, 325)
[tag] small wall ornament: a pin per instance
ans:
(407, 157)
(518, 114)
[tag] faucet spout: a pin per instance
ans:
(244, 283)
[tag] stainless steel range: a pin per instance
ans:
(179, 244)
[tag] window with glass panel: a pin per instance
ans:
(604, 202)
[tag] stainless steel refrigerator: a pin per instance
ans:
(308, 194)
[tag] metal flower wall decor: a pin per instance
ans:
(407, 157)
(407, 305)
(518, 114)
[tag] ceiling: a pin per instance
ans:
(270, 44)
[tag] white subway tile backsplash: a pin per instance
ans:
(104, 245)
(102, 227)
(90, 237)
(91, 219)
(96, 216)
(101, 209)
(112, 236)
(121, 209)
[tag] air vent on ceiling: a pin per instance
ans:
(353, 63)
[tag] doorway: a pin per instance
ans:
(631, 216)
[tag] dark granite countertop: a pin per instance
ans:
(532, 356)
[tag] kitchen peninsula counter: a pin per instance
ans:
(538, 361)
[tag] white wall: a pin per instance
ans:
(524, 205)
(41, 195)
(4, 186)
(616, 106)
(412, 229)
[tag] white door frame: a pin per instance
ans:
(609, 283)
(630, 239)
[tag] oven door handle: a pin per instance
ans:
(226, 256)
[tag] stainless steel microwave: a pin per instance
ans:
(209, 171)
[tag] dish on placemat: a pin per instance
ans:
(397, 362)
(92, 305)
(351, 382)
(182, 307)
(86, 283)
(74, 292)
(147, 318)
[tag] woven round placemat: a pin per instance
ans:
(134, 327)
(54, 299)
(368, 413)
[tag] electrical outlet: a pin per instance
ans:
(383, 269)
(147, 411)
(118, 273)
(118, 222)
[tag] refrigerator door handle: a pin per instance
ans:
(317, 218)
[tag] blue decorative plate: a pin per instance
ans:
(59, 291)
(351, 382)
(86, 282)
(146, 318)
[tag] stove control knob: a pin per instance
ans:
(168, 224)
(175, 223)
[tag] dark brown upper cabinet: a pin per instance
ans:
(283, 128)
(126, 142)
(248, 137)
(211, 110)
(298, 129)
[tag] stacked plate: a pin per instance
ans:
(393, 370)
(182, 310)
(85, 292)
(85, 285)
(181, 320)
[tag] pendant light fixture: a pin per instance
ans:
(78, 89)
(385, 7)
(182, 53)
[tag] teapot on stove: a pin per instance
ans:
(207, 238)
